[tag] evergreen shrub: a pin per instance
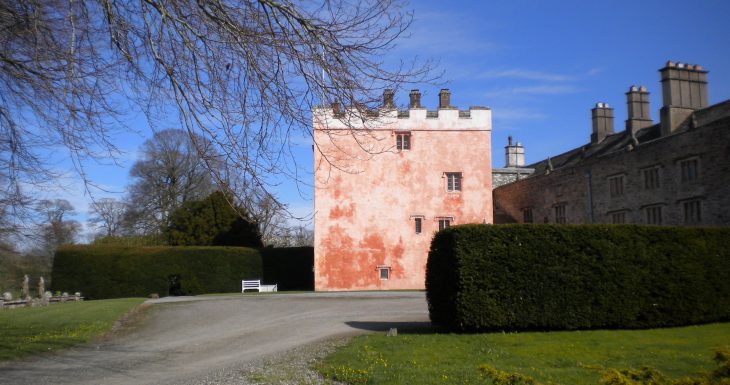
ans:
(565, 277)
(122, 271)
(289, 267)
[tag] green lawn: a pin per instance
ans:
(576, 357)
(28, 331)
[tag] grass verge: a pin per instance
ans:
(29, 331)
(577, 357)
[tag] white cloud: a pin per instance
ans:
(540, 89)
(517, 114)
(433, 34)
(524, 74)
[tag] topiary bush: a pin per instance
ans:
(289, 267)
(121, 271)
(563, 277)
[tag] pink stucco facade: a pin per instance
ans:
(369, 193)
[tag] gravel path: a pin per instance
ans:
(243, 339)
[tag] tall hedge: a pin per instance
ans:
(563, 277)
(289, 267)
(119, 271)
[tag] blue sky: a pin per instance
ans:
(540, 66)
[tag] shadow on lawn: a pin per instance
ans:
(403, 327)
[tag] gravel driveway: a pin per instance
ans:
(209, 339)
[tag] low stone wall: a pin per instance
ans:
(37, 302)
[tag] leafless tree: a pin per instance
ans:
(169, 173)
(106, 214)
(244, 75)
(56, 229)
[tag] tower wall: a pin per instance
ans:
(369, 193)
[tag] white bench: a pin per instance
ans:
(256, 285)
(251, 285)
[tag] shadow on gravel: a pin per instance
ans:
(403, 327)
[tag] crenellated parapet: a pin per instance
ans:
(388, 117)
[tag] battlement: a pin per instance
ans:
(387, 117)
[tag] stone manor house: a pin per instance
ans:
(673, 172)
(383, 187)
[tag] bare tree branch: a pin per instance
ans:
(242, 75)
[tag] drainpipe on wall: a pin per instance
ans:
(590, 195)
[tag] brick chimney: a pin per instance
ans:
(388, 96)
(602, 117)
(637, 101)
(514, 154)
(444, 98)
(415, 99)
(684, 90)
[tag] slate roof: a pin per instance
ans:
(620, 141)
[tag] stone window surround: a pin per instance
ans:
(651, 182)
(528, 214)
(444, 222)
(650, 213)
(383, 272)
(560, 210)
(403, 140)
(454, 181)
(616, 184)
(696, 202)
(688, 169)
(616, 214)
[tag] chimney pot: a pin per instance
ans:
(637, 101)
(514, 154)
(602, 119)
(388, 98)
(415, 99)
(684, 91)
(444, 98)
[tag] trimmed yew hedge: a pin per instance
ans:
(121, 271)
(564, 277)
(289, 267)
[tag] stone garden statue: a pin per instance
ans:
(25, 289)
(41, 288)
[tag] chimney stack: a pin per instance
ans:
(514, 154)
(684, 90)
(602, 116)
(444, 98)
(415, 99)
(637, 100)
(388, 96)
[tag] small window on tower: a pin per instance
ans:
(403, 140)
(419, 224)
(453, 181)
(384, 272)
(444, 223)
